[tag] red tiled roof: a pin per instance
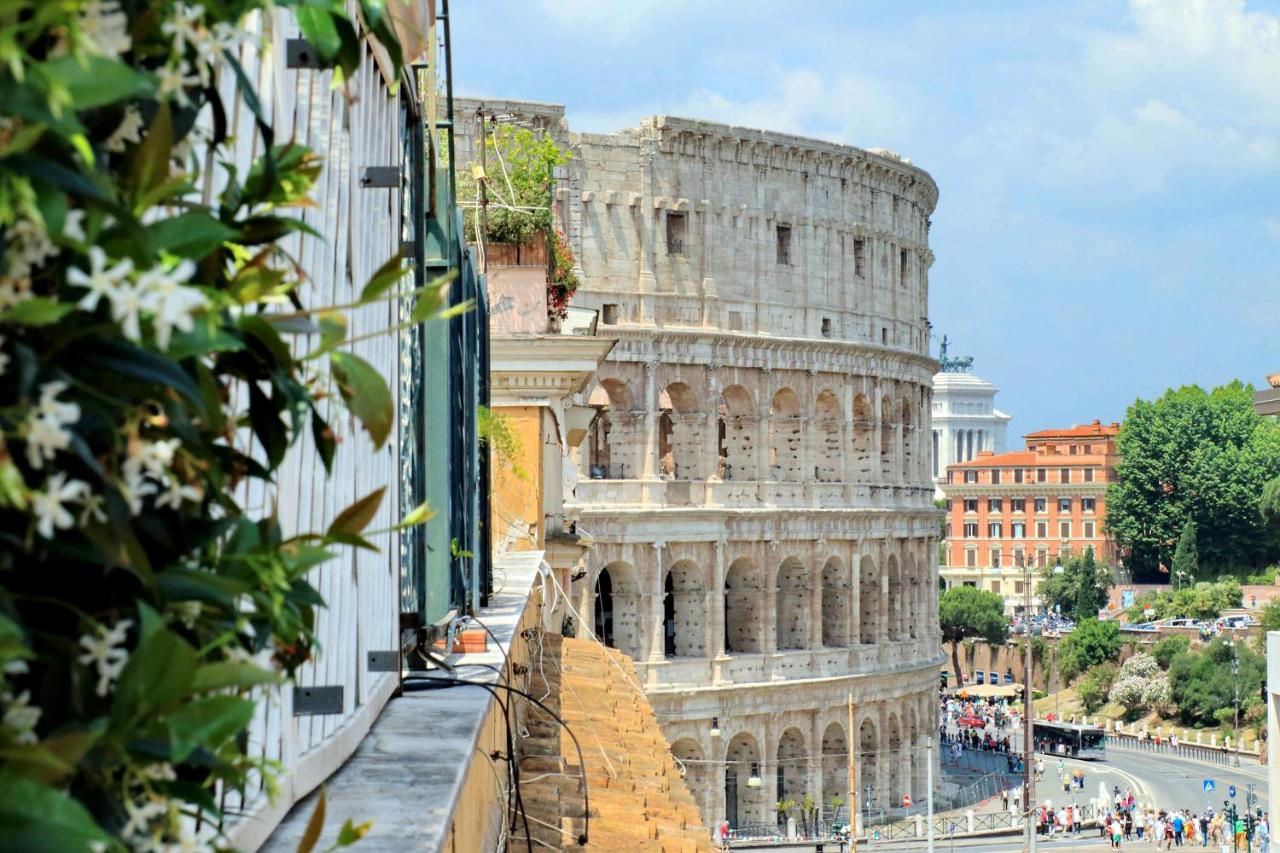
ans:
(1013, 458)
(1093, 430)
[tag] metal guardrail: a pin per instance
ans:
(1195, 751)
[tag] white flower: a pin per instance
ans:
(126, 309)
(142, 816)
(185, 26)
(176, 494)
(21, 715)
(93, 510)
(49, 505)
(104, 649)
(174, 80)
(16, 667)
(73, 226)
(13, 290)
(172, 304)
(52, 408)
(45, 427)
(152, 457)
(29, 247)
(159, 772)
(101, 280)
(134, 489)
(44, 438)
(129, 130)
(105, 28)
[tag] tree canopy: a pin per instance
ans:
(1199, 456)
(1205, 688)
(1204, 600)
(966, 612)
(1091, 643)
(519, 170)
(1186, 558)
(1080, 591)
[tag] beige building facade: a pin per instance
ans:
(759, 486)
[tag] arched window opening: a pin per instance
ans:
(835, 773)
(785, 437)
(792, 767)
(743, 804)
(610, 443)
(689, 757)
(868, 766)
(894, 615)
(828, 429)
(887, 442)
(616, 608)
(684, 616)
(908, 443)
(868, 602)
(792, 611)
(863, 424)
(678, 438)
(894, 762)
(737, 426)
(743, 611)
(835, 604)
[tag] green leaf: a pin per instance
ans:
(41, 311)
(159, 673)
(94, 81)
(52, 759)
(387, 276)
(37, 817)
(356, 517)
(318, 28)
(261, 331)
(144, 365)
(207, 723)
(366, 394)
(351, 833)
(333, 331)
(150, 166)
(373, 10)
(323, 438)
(267, 425)
(192, 235)
(315, 824)
(420, 514)
(351, 539)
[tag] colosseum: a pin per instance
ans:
(759, 486)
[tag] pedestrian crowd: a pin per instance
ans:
(1126, 822)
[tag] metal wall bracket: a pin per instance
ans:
(383, 662)
(380, 177)
(298, 53)
(317, 700)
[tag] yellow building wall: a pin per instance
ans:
(516, 498)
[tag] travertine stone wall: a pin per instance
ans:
(759, 487)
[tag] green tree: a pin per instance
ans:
(1186, 558)
(1080, 590)
(1269, 504)
(1168, 648)
(966, 612)
(1094, 685)
(519, 170)
(1271, 615)
(1091, 643)
(1205, 600)
(1203, 682)
(1199, 456)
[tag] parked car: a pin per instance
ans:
(971, 723)
(1178, 623)
(1143, 627)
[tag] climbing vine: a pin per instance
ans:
(147, 325)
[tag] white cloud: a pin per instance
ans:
(845, 107)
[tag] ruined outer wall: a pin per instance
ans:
(759, 488)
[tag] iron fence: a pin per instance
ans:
(1197, 752)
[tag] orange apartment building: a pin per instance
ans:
(1033, 506)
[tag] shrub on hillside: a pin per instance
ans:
(1165, 650)
(1095, 685)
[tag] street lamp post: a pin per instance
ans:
(1028, 745)
(1235, 689)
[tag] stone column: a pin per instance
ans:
(813, 766)
(715, 606)
(711, 443)
(769, 582)
(846, 433)
(649, 464)
(656, 603)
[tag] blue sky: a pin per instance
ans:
(1109, 222)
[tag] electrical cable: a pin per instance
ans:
(416, 683)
